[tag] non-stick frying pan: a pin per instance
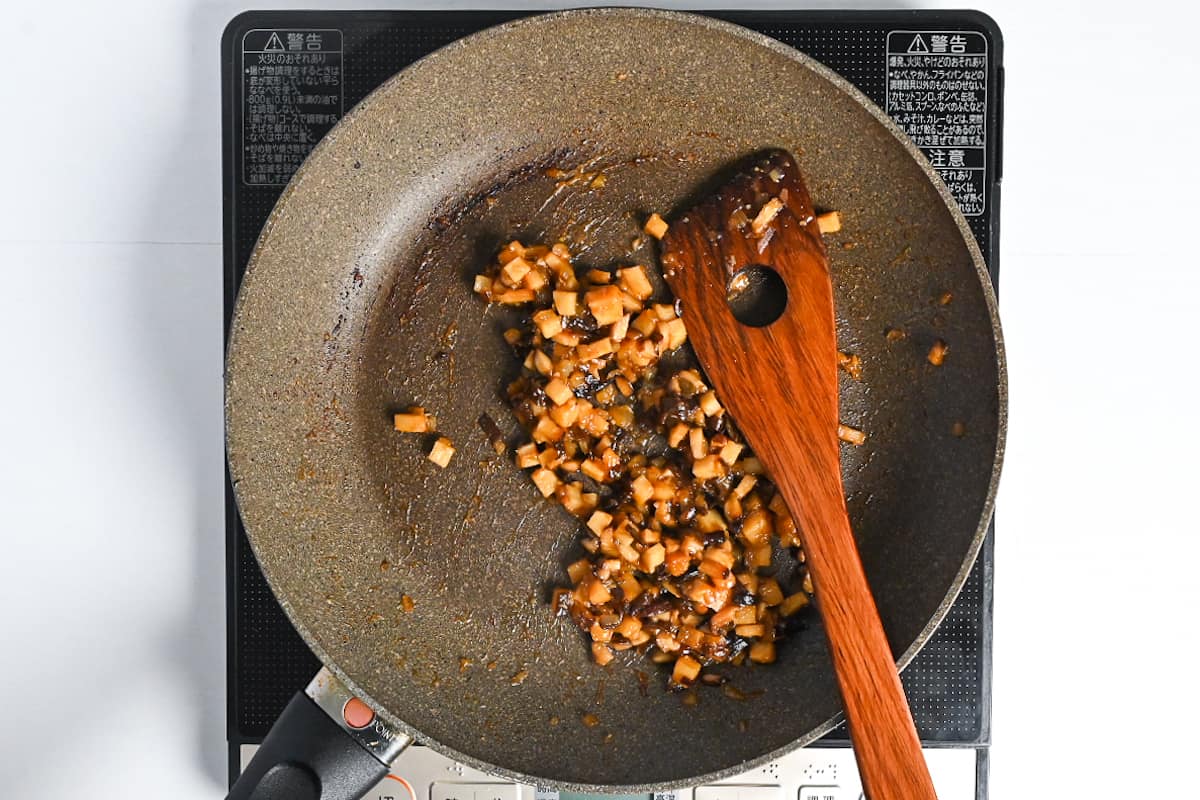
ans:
(358, 302)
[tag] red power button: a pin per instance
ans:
(357, 713)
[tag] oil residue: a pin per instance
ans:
(449, 339)
(734, 693)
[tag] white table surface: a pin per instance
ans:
(112, 572)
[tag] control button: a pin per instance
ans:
(474, 791)
(738, 792)
(822, 793)
(357, 714)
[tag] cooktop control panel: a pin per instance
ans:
(814, 773)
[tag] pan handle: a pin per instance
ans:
(326, 745)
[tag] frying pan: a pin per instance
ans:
(357, 302)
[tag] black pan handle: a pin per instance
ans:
(326, 745)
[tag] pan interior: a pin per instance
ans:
(358, 302)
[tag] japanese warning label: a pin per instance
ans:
(292, 94)
(937, 92)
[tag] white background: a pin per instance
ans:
(112, 573)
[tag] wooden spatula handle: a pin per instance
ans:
(886, 744)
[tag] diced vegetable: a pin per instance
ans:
(549, 324)
(937, 353)
(707, 467)
(766, 214)
(851, 435)
(793, 603)
(830, 222)
(516, 297)
(686, 670)
(558, 391)
(545, 480)
(566, 303)
(514, 271)
(605, 304)
(594, 350)
(442, 452)
(527, 455)
(635, 281)
(674, 547)
(852, 364)
(414, 420)
(602, 653)
(656, 226)
(762, 652)
(730, 452)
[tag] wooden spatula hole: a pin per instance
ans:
(757, 296)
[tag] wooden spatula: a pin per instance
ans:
(756, 244)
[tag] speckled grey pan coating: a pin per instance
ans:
(357, 302)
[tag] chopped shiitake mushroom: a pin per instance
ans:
(605, 304)
(414, 420)
(442, 452)
(656, 226)
(762, 652)
(635, 282)
(851, 363)
(768, 212)
(545, 480)
(687, 669)
(793, 603)
(676, 541)
(851, 435)
(602, 653)
(829, 222)
(937, 353)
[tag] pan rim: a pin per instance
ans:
(780, 49)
